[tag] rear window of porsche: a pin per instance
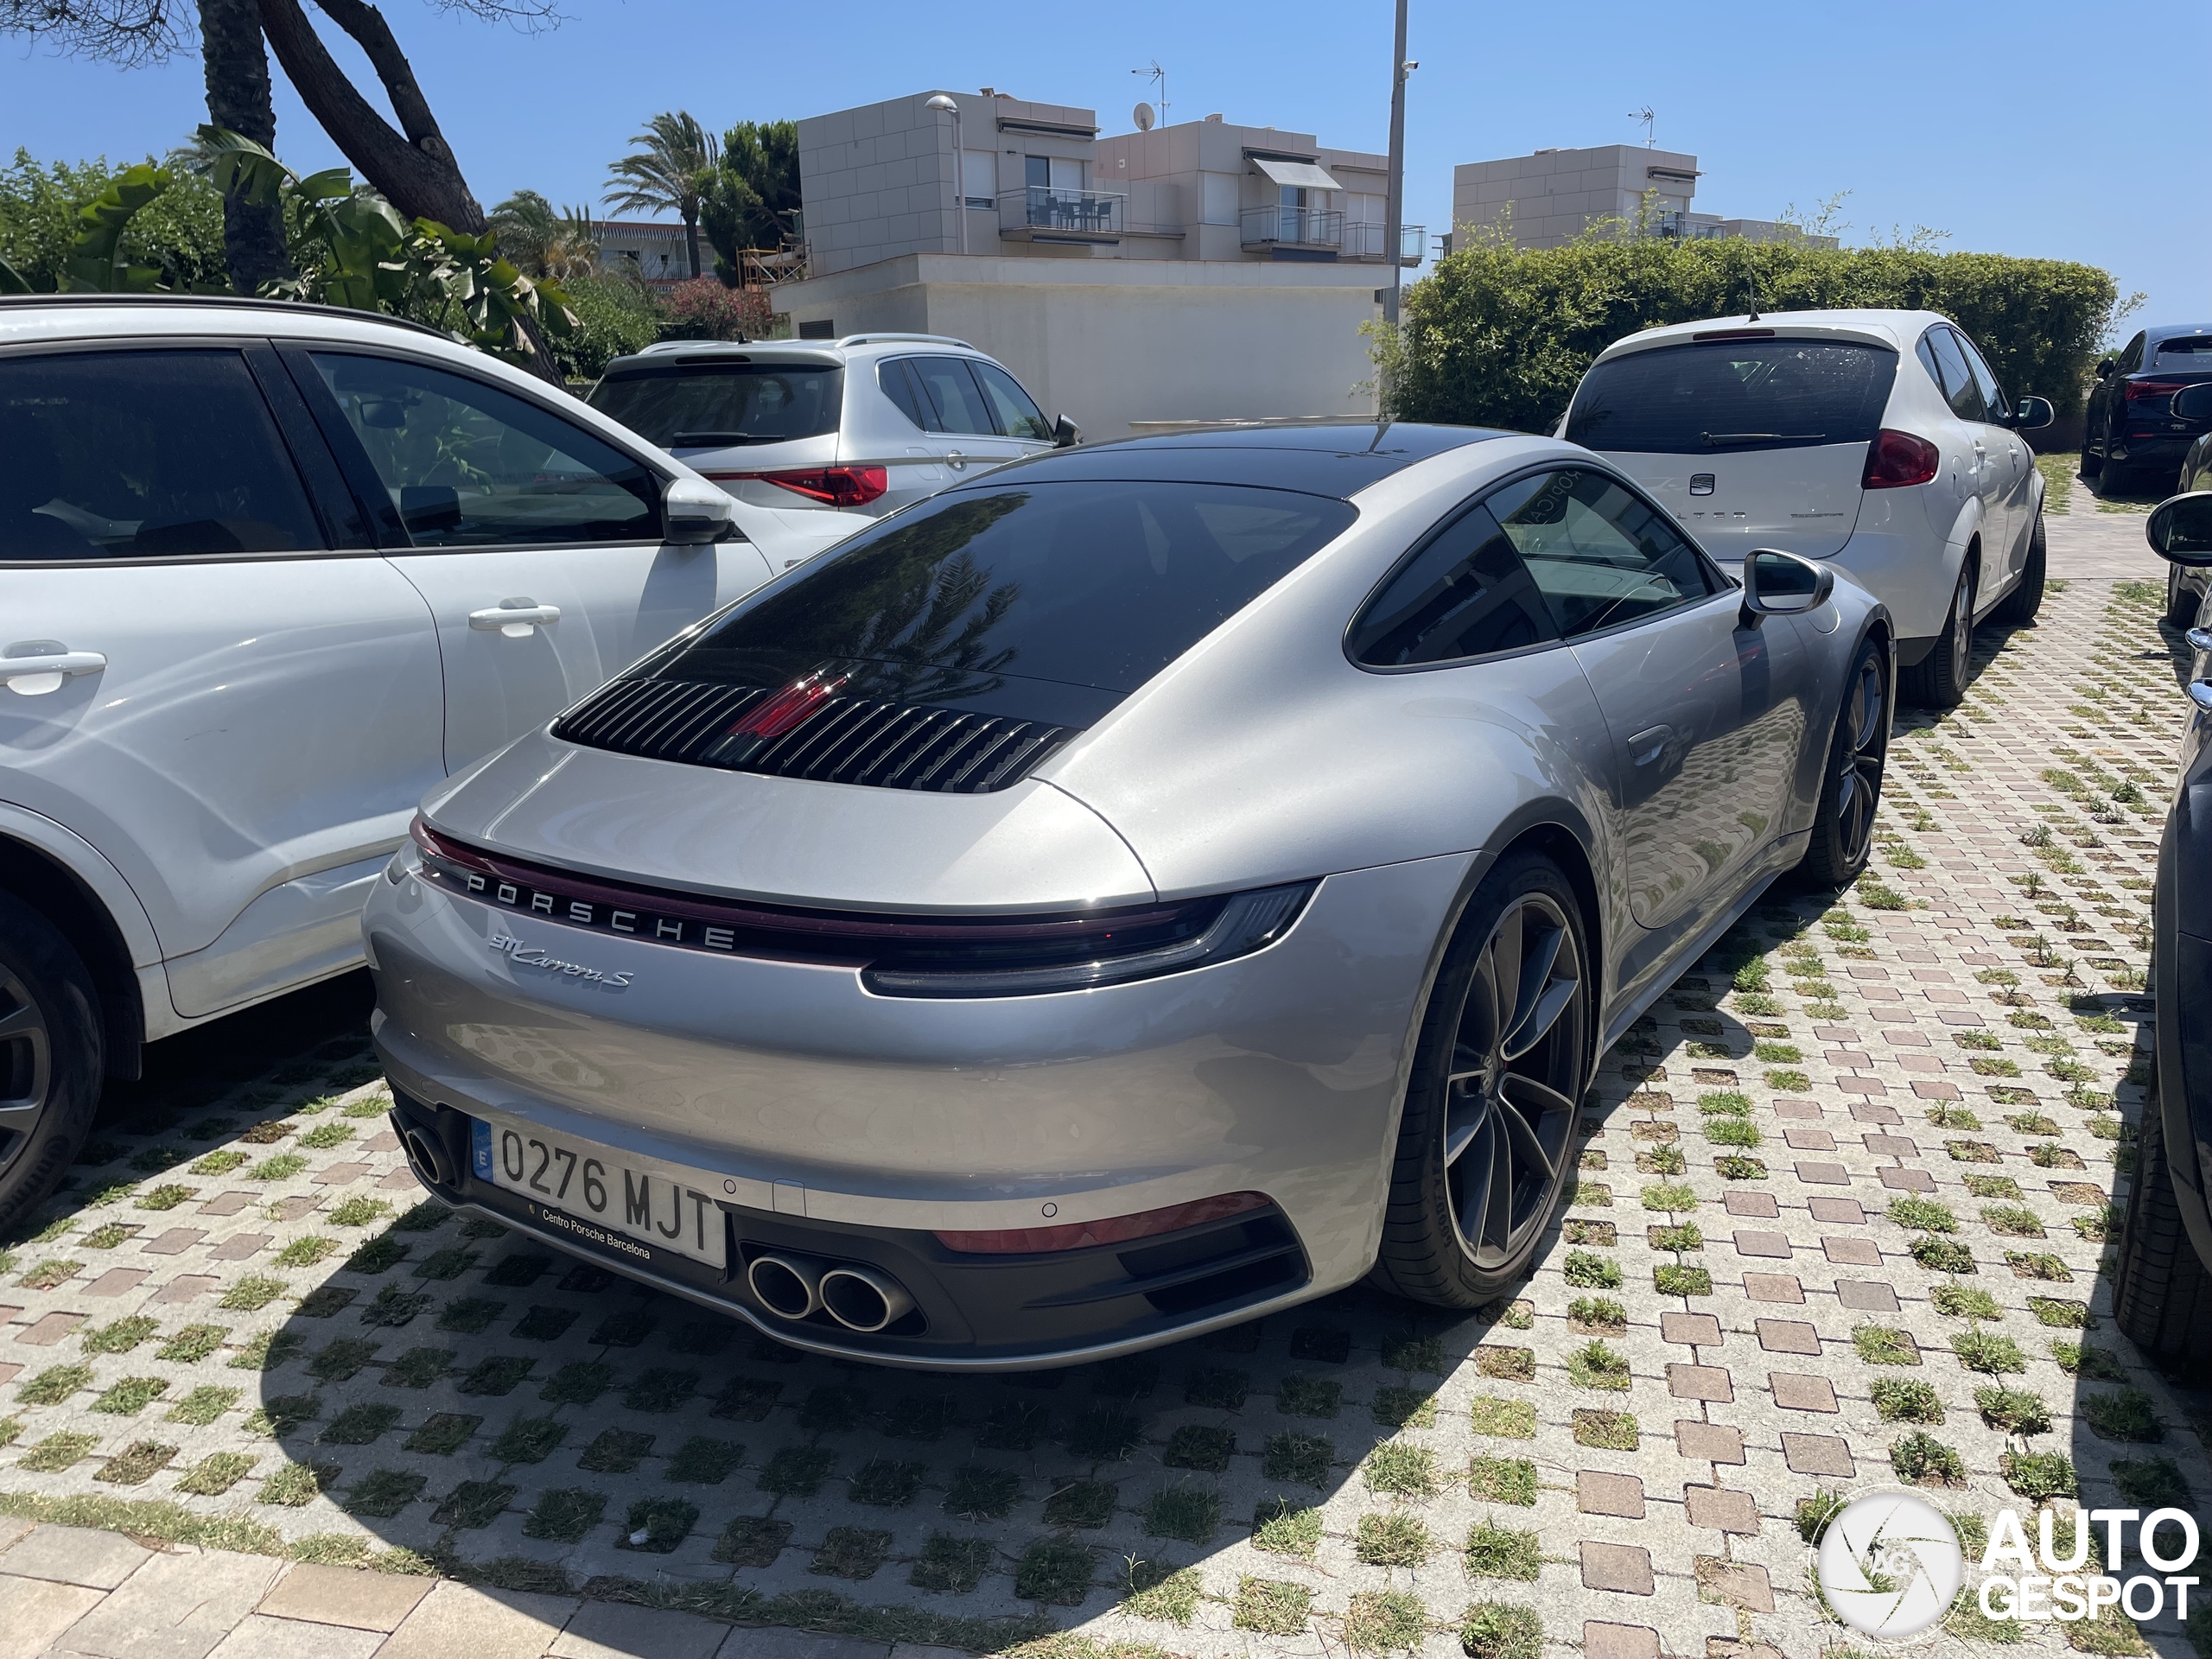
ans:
(1713, 397)
(1098, 584)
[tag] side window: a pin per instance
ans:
(1958, 380)
(465, 464)
(1599, 553)
(1012, 410)
(953, 395)
(1992, 398)
(898, 383)
(2132, 358)
(1926, 353)
(124, 454)
(1466, 594)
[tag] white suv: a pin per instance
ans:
(268, 573)
(803, 427)
(1877, 439)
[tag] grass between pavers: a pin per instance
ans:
(815, 1609)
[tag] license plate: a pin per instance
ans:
(600, 1195)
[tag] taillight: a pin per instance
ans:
(1895, 460)
(2142, 392)
(835, 486)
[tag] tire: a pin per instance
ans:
(50, 1057)
(1851, 789)
(1485, 1140)
(2017, 608)
(2086, 471)
(2181, 600)
(2113, 478)
(2164, 1295)
(1939, 679)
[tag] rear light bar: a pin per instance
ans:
(2142, 392)
(898, 956)
(1114, 1230)
(1735, 333)
(1895, 460)
(835, 486)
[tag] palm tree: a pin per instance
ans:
(543, 241)
(665, 174)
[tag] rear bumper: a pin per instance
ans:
(853, 1127)
(2150, 449)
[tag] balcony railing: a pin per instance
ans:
(1367, 242)
(1072, 215)
(1300, 227)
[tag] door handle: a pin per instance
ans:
(2199, 693)
(517, 619)
(2200, 639)
(955, 459)
(1649, 744)
(31, 668)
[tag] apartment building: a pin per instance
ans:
(1548, 199)
(1202, 271)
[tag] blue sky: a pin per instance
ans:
(1985, 121)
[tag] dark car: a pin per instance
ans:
(2186, 587)
(2130, 439)
(2164, 1299)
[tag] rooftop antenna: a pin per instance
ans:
(1650, 119)
(1158, 76)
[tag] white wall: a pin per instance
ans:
(1107, 342)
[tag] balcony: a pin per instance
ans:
(1311, 229)
(1366, 243)
(1039, 213)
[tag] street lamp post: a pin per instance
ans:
(944, 106)
(1395, 206)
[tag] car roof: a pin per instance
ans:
(2155, 332)
(1898, 330)
(660, 353)
(1334, 458)
(33, 315)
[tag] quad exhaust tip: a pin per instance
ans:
(860, 1299)
(790, 1287)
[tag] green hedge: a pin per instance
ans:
(1499, 336)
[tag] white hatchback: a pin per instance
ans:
(268, 573)
(1877, 439)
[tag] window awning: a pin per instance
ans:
(1302, 175)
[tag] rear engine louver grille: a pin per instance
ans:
(844, 740)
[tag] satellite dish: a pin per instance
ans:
(1142, 116)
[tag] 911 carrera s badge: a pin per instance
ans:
(531, 955)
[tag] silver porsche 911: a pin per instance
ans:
(1152, 885)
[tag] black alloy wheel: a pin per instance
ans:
(1939, 679)
(1486, 1138)
(51, 1068)
(1509, 1106)
(26, 1065)
(1843, 827)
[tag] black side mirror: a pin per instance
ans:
(1782, 584)
(2193, 403)
(2030, 414)
(1065, 433)
(2105, 368)
(2180, 530)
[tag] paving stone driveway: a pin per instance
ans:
(1841, 1219)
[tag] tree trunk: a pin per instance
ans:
(416, 171)
(691, 236)
(237, 66)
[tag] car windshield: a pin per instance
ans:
(1093, 584)
(1711, 396)
(716, 405)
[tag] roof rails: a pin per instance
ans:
(879, 340)
(296, 307)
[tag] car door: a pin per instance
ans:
(967, 437)
(535, 542)
(1014, 411)
(1977, 469)
(2010, 464)
(224, 691)
(1707, 715)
